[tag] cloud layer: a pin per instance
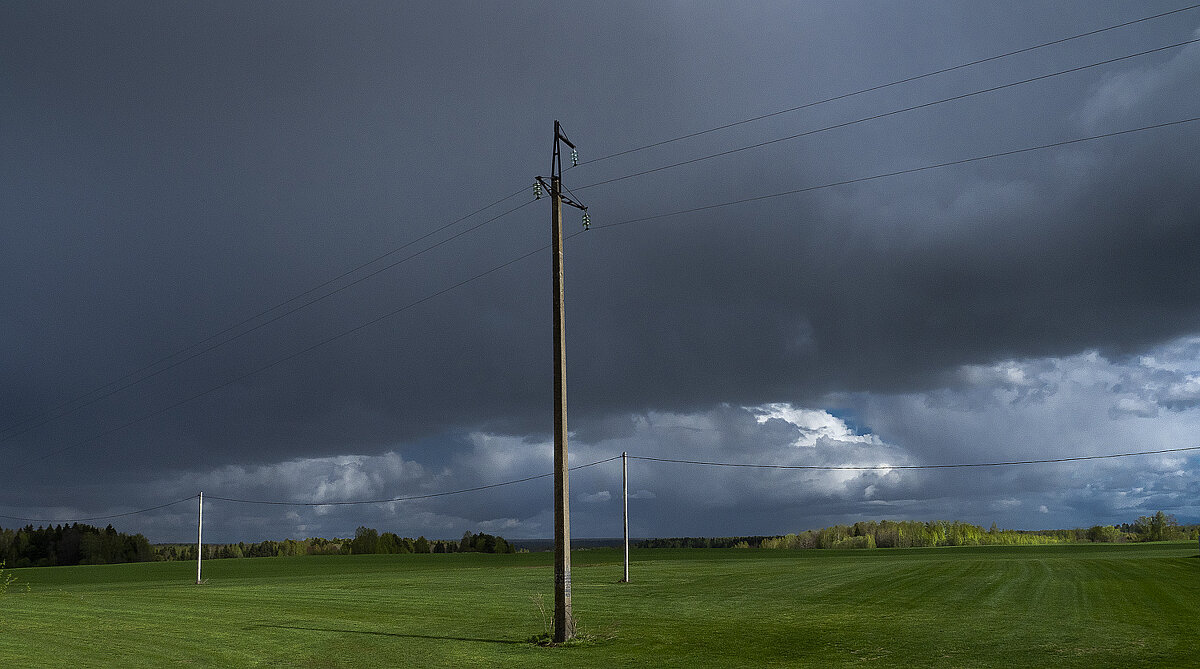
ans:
(170, 172)
(1049, 408)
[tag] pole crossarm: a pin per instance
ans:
(560, 135)
(565, 200)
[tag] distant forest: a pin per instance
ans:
(910, 534)
(366, 541)
(70, 545)
(75, 544)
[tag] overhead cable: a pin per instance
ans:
(333, 503)
(410, 498)
(890, 84)
(898, 172)
(138, 377)
(517, 259)
(874, 117)
(890, 467)
(283, 359)
(115, 515)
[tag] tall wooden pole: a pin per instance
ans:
(199, 537)
(625, 502)
(564, 624)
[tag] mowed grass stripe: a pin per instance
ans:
(1068, 606)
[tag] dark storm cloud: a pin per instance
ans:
(880, 289)
(176, 171)
(170, 171)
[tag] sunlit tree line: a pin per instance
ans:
(917, 534)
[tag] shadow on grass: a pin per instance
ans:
(398, 635)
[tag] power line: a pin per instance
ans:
(890, 84)
(894, 112)
(412, 497)
(51, 418)
(513, 261)
(267, 322)
(291, 356)
(57, 412)
(889, 467)
(337, 503)
(899, 172)
(647, 458)
(636, 174)
(115, 515)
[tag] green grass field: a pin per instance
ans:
(1056, 606)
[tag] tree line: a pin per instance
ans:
(76, 544)
(366, 541)
(63, 545)
(911, 534)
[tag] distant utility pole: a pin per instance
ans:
(564, 623)
(199, 537)
(625, 506)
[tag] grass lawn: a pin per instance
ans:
(1061, 606)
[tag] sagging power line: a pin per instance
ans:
(278, 361)
(145, 373)
(563, 618)
(358, 502)
(874, 117)
(108, 517)
(647, 458)
(409, 498)
(513, 261)
(911, 170)
(862, 468)
(889, 84)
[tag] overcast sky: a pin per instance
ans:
(179, 181)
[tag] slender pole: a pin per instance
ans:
(625, 501)
(199, 537)
(564, 624)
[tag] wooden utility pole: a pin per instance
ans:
(199, 537)
(625, 514)
(564, 623)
